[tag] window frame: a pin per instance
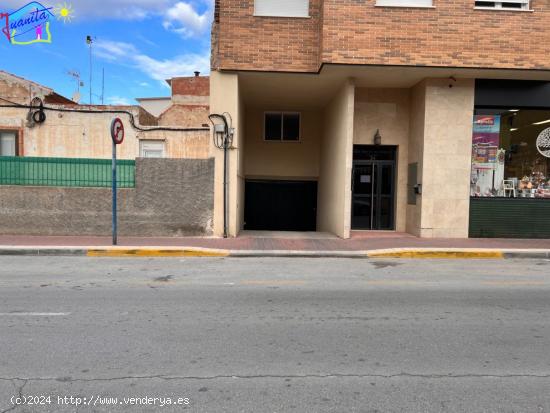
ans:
(292, 16)
(283, 113)
(144, 142)
(406, 4)
(18, 135)
(525, 5)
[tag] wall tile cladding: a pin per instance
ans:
(357, 32)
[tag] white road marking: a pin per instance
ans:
(35, 314)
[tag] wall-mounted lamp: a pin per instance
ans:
(377, 138)
(452, 82)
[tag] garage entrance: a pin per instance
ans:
(280, 205)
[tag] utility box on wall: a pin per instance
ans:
(413, 189)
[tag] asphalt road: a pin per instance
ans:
(274, 335)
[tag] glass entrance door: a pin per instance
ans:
(373, 189)
(363, 195)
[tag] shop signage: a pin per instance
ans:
(486, 139)
(487, 130)
(543, 143)
(31, 23)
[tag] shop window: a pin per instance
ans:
(151, 149)
(511, 153)
(282, 126)
(281, 8)
(503, 5)
(8, 143)
(404, 3)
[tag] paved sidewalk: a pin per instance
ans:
(284, 242)
(276, 244)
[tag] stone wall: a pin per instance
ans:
(173, 197)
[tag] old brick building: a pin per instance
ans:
(409, 115)
(74, 132)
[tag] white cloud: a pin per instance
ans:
(118, 100)
(183, 65)
(183, 19)
(113, 51)
(160, 70)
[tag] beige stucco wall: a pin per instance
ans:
(441, 139)
(282, 160)
(388, 111)
(416, 152)
(432, 126)
(225, 97)
(447, 158)
(81, 135)
(185, 116)
(430, 123)
(87, 135)
(334, 200)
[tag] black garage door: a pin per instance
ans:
(280, 206)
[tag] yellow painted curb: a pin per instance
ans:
(430, 254)
(153, 253)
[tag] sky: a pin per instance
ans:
(139, 44)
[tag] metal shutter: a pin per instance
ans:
(405, 3)
(281, 8)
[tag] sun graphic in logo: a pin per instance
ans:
(64, 12)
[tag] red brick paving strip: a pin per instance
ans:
(357, 243)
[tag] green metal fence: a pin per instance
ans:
(65, 172)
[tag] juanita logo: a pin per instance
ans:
(32, 23)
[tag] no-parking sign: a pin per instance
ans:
(117, 131)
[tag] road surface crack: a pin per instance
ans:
(19, 391)
(279, 376)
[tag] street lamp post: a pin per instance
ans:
(90, 41)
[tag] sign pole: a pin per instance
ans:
(115, 238)
(117, 135)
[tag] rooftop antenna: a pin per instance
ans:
(76, 76)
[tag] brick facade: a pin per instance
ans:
(190, 86)
(452, 33)
(245, 42)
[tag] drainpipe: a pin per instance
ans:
(225, 149)
(222, 140)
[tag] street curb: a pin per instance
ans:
(192, 252)
(438, 253)
(297, 254)
(526, 254)
(39, 251)
(157, 252)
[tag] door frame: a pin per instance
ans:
(376, 163)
